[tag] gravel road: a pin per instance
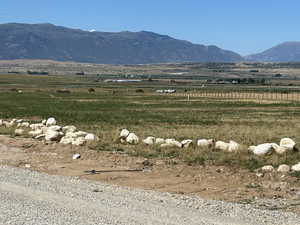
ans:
(28, 197)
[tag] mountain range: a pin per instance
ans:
(285, 52)
(48, 41)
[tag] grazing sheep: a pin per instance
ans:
(19, 132)
(186, 143)
(283, 168)
(36, 126)
(279, 149)
(263, 149)
(35, 133)
(50, 122)
(1, 123)
(233, 146)
(159, 141)
(69, 129)
(296, 167)
(172, 142)
(287, 143)
(207, 143)
(9, 124)
(91, 137)
(267, 168)
(124, 133)
(23, 124)
(221, 145)
(55, 128)
(66, 140)
(70, 135)
(52, 135)
(80, 133)
(166, 145)
(132, 139)
(149, 141)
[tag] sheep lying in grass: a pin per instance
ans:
(49, 131)
(206, 143)
(287, 143)
(232, 146)
(187, 143)
(126, 136)
(171, 142)
(296, 167)
(262, 149)
(149, 140)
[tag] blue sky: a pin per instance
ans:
(239, 25)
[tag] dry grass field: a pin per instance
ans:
(249, 121)
(216, 114)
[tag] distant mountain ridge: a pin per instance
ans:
(47, 41)
(285, 52)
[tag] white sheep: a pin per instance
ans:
(52, 135)
(267, 168)
(35, 133)
(124, 133)
(80, 133)
(186, 143)
(233, 146)
(296, 167)
(8, 124)
(172, 142)
(206, 143)
(221, 145)
(149, 140)
(70, 128)
(159, 141)
(279, 149)
(287, 143)
(91, 137)
(51, 122)
(19, 132)
(36, 126)
(263, 149)
(132, 139)
(283, 168)
(23, 124)
(67, 140)
(55, 128)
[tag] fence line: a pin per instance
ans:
(276, 96)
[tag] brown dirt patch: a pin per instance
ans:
(220, 183)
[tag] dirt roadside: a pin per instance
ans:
(211, 182)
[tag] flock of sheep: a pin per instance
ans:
(286, 145)
(48, 130)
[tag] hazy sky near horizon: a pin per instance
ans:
(245, 27)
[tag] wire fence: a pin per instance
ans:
(274, 96)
